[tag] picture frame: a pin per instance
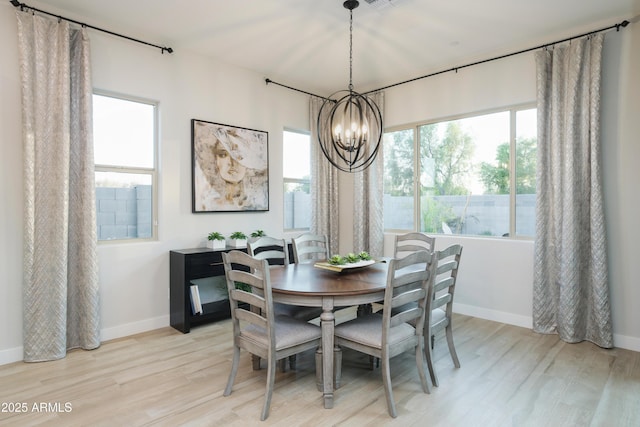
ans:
(229, 168)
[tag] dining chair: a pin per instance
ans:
(442, 285)
(276, 252)
(405, 244)
(261, 332)
(385, 335)
(309, 247)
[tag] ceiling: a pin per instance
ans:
(305, 43)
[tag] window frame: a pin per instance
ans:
(286, 180)
(417, 202)
(152, 171)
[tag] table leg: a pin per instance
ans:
(327, 322)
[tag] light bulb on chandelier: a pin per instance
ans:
(349, 123)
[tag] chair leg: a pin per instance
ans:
(426, 387)
(234, 370)
(271, 376)
(292, 362)
(388, 392)
(452, 347)
(282, 365)
(255, 362)
(428, 353)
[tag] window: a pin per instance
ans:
(463, 181)
(296, 152)
(124, 133)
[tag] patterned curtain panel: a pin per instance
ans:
(571, 289)
(324, 185)
(368, 222)
(60, 289)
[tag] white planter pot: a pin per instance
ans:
(238, 243)
(216, 244)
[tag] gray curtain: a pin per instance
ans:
(324, 185)
(368, 222)
(60, 289)
(571, 289)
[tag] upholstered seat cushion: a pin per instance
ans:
(367, 330)
(289, 332)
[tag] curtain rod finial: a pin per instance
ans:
(15, 3)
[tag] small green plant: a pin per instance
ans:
(214, 235)
(238, 235)
(350, 258)
(337, 260)
(258, 233)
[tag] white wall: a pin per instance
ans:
(495, 281)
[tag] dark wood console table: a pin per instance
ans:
(202, 267)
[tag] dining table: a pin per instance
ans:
(312, 286)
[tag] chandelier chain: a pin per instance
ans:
(351, 49)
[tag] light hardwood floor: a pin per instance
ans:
(510, 376)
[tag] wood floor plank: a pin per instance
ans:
(510, 376)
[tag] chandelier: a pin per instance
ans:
(350, 123)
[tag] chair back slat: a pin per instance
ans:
(443, 284)
(405, 244)
(254, 318)
(310, 247)
(253, 299)
(275, 251)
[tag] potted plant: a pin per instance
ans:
(257, 234)
(238, 239)
(216, 240)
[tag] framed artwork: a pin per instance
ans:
(230, 168)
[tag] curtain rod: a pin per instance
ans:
(542, 46)
(268, 80)
(23, 6)
(611, 27)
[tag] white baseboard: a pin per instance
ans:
(619, 341)
(11, 355)
(496, 316)
(134, 328)
(629, 343)
(16, 354)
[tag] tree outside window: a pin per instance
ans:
(464, 176)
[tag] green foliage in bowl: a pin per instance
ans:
(337, 260)
(350, 258)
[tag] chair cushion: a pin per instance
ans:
(289, 332)
(367, 330)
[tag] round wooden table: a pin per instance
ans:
(306, 285)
